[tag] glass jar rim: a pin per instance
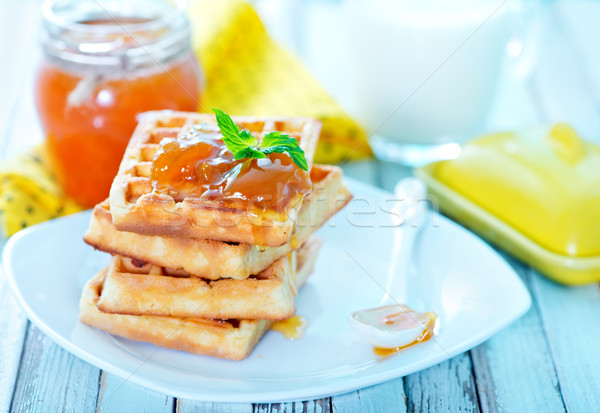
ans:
(90, 36)
(50, 15)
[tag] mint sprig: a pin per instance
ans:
(244, 145)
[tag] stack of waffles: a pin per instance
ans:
(195, 273)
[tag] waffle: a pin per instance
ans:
(151, 290)
(215, 259)
(231, 339)
(138, 207)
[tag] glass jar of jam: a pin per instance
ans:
(104, 63)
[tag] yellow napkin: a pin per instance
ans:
(29, 193)
(247, 73)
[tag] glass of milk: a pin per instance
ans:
(425, 72)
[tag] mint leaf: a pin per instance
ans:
(244, 145)
(249, 152)
(279, 142)
(274, 139)
(248, 138)
(233, 138)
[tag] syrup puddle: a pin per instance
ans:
(393, 328)
(292, 328)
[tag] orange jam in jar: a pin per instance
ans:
(104, 63)
(198, 164)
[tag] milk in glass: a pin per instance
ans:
(425, 71)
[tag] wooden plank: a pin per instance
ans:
(19, 30)
(529, 385)
(25, 131)
(388, 396)
(193, 406)
(51, 379)
(119, 395)
(13, 326)
(310, 406)
(580, 22)
(532, 384)
(561, 88)
(446, 387)
(17, 55)
(570, 316)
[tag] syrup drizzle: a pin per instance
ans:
(292, 328)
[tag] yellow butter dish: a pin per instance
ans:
(535, 193)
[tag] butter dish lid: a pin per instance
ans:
(535, 192)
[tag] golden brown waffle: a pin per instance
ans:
(215, 259)
(130, 287)
(231, 339)
(137, 207)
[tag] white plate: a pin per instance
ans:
(474, 292)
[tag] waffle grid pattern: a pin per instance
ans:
(178, 125)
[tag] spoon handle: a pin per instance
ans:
(410, 214)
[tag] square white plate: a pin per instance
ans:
(472, 289)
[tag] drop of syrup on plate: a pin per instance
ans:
(292, 328)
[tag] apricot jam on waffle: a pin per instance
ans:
(198, 164)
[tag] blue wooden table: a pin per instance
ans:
(547, 361)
